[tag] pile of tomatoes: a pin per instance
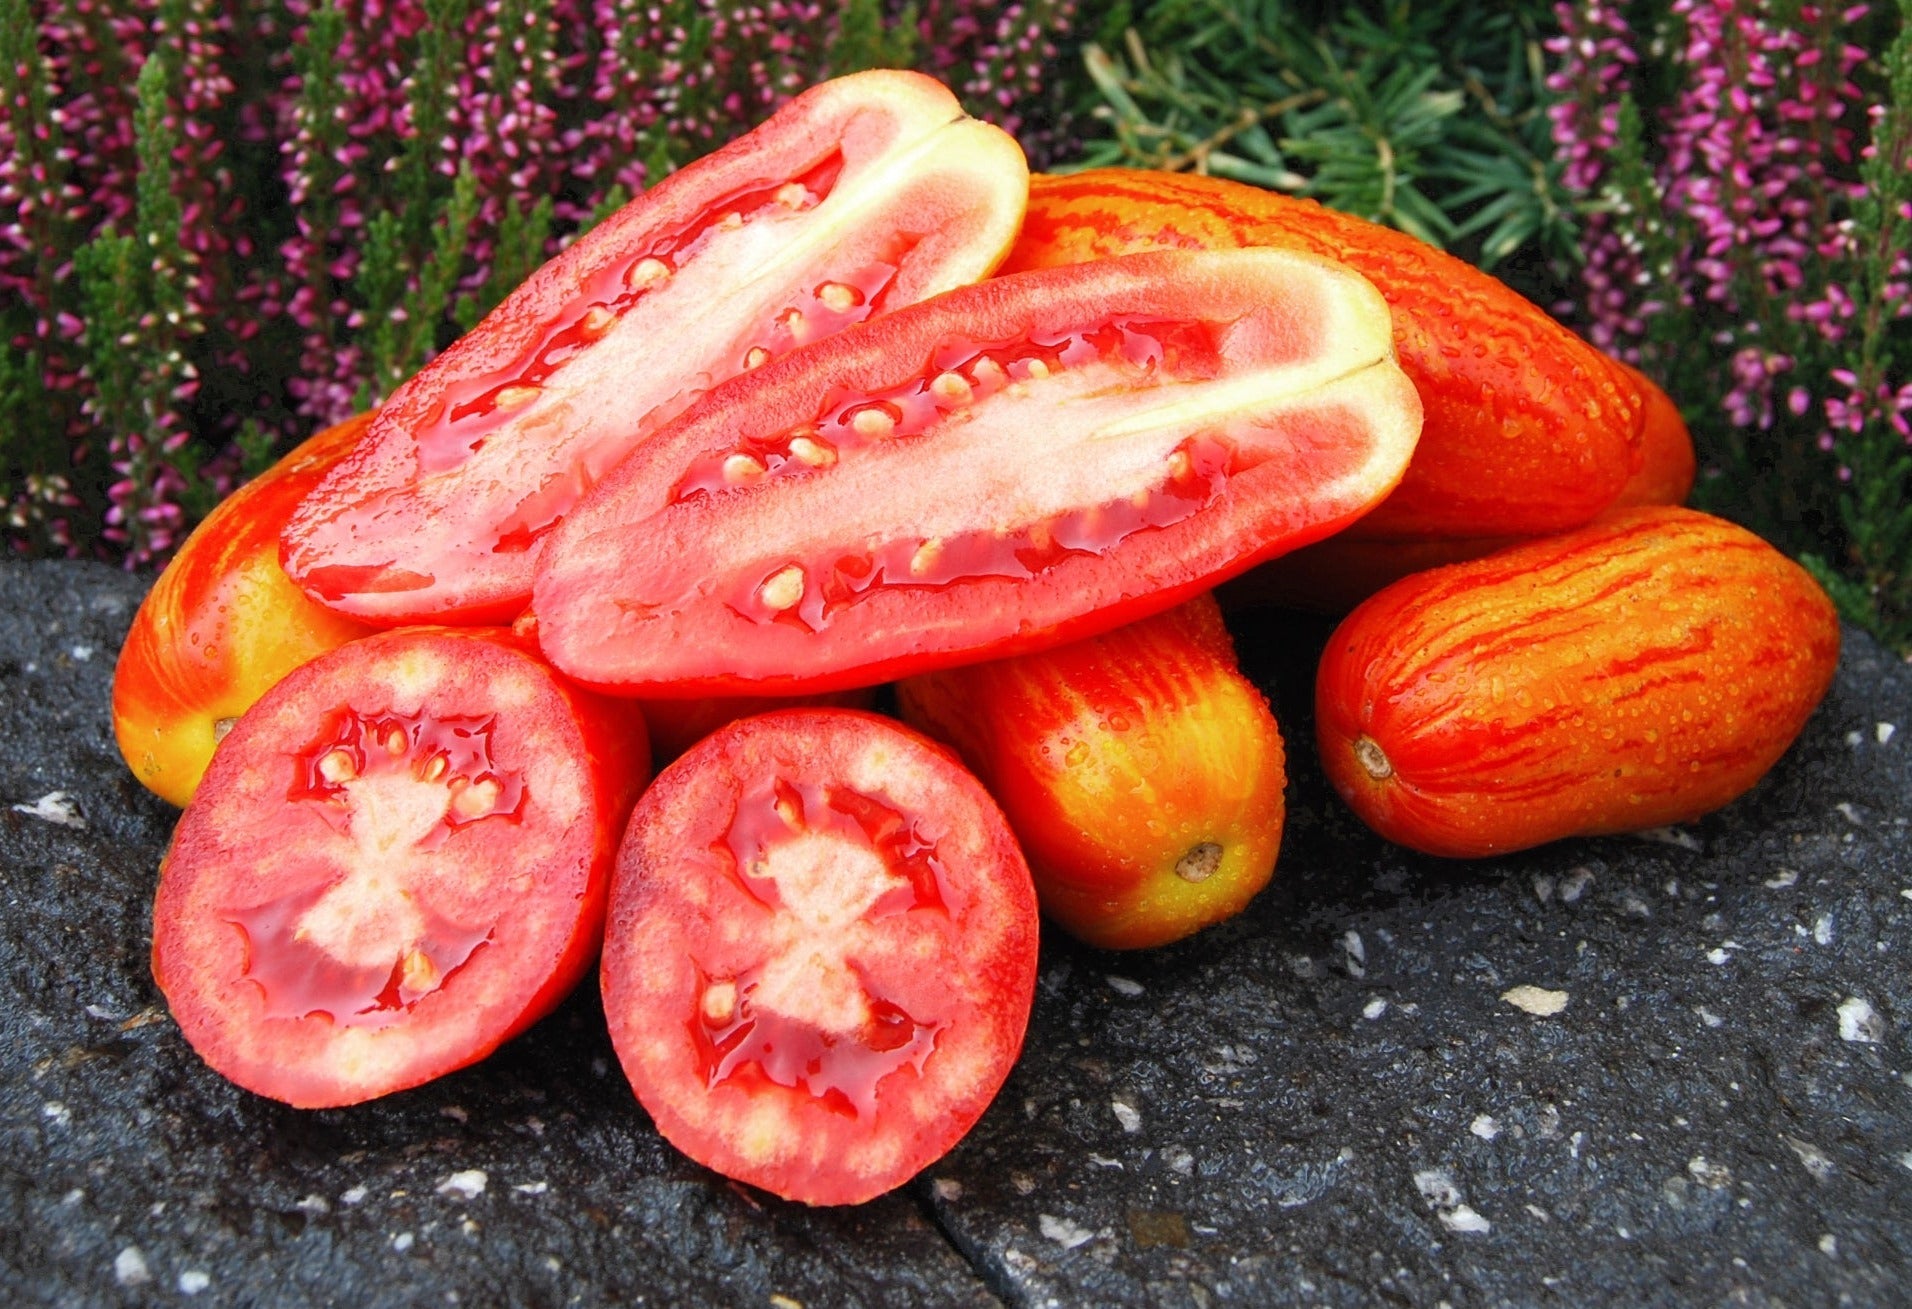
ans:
(849, 402)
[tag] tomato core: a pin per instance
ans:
(821, 858)
(363, 947)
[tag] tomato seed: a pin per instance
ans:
(596, 322)
(338, 767)
(926, 556)
(814, 453)
(1038, 369)
(720, 1003)
(396, 742)
(953, 388)
(987, 372)
(516, 397)
(757, 357)
(435, 768)
(783, 590)
(646, 272)
(740, 468)
(873, 423)
(792, 195)
(476, 800)
(839, 297)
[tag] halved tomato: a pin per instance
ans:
(1141, 771)
(821, 953)
(1007, 466)
(222, 624)
(398, 859)
(860, 195)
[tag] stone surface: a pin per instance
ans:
(1628, 1070)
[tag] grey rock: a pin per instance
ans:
(1325, 1101)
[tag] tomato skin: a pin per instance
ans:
(860, 194)
(1529, 430)
(222, 624)
(1141, 771)
(821, 953)
(1200, 411)
(1641, 671)
(1335, 575)
(429, 810)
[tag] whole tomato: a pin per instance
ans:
(222, 624)
(1141, 771)
(1641, 671)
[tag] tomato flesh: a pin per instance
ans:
(867, 192)
(398, 858)
(820, 955)
(1000, 468)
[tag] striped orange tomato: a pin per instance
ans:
(1641, 671)
(222, 624)
(1140, 770)
(1528, 429)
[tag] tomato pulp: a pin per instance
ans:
(820, 954)
(1004, 467)
(862, 194)
(398, 859)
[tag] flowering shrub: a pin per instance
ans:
(222, 225)
(1748, 171)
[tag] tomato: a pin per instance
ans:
(398, 859)
(1641, 671)
(222, 624)
(860, 195)
(821, 953)
(1335, 575)
(676, 725)
(1529, 429)
(1141, 771)
(1007, 466)
(1668, 463)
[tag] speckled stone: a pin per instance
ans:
(1668, 1070)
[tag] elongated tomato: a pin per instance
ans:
(860, 195)
(222, 624)
(1140, 770)
(820, 955)
(1007, 466)
(1335, 575)
(1641, 671)
(398, 859)
(1529, 430)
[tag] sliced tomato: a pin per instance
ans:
(1007, 466)
(398, 859)
(222, 624)
(860, 195)
(1142, 772)
(821, 953)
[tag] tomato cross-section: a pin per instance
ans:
(1000, 468)
(865, 193)
(398, 858)
(820, 953)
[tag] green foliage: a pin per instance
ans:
(866, 39)
(1426, 117)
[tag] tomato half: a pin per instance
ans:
(1007, 466)
(1141, 771)
(821, 953)
(222, 624)
(862, 194)
(398, 859)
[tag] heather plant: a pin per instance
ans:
(1429, 117)
(1746, 174)
(222, 226)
